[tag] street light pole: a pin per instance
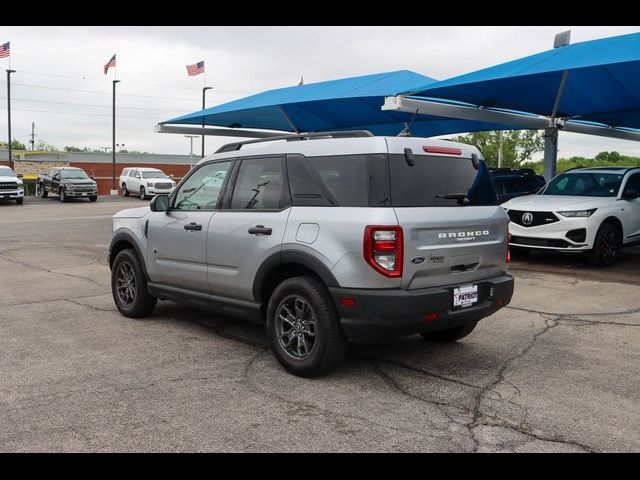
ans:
(204, 92)
(9, 72)
(113, 141)
(191, 137)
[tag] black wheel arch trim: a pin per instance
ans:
(131, 239)
(294, 257)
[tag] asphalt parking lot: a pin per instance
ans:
(555, 371)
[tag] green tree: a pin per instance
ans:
(15, 145)
(611, 157)
(45, 147)
(518, 145)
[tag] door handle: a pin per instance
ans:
(193, 226)
(260, 230)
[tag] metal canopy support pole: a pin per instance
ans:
(550, 152)
(204, 94)
(286, 115)
(551, 134)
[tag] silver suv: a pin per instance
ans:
(323, 238)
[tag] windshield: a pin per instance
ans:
(73, 174)
(152, 174)
(6, 172)
(585, 184)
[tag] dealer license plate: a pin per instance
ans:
(465, 296)
(84, 194)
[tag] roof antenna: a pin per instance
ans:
(406, 131)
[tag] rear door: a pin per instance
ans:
(249, 228)
(446, 241)
(632, 211)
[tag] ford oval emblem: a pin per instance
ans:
(417, 260)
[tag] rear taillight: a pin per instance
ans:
(383, 247)
(508, 249)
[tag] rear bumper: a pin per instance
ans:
(379, 314)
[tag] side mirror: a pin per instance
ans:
(159, 203)
(19, 175)
(630, 194)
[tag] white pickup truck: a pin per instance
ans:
(11, 185)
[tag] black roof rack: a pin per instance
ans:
(230, 147)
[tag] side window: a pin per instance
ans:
(498, 183)
(259, 185)
(136, 173)
(634, 182)
(202, 189)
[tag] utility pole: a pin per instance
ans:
(33, 136)
(114, 190)
(9, 72)
(500, 148)
(204, 92)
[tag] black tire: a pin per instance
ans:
(143, 193)
(519, 252)
(137, 302)
(606, 246)
(62, 195)
(43, 192)
(329, 344)
(450, 334)
(93, 199)
(125, 192)
(20, 201)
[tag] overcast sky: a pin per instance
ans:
(59, 83)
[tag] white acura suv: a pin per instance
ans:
(594, 210)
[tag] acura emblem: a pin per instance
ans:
(527, 219)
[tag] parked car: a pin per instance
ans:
(593, 210)
(516, 182)
(323, 239)
(145, 182)
(11, 185)
(68, 182)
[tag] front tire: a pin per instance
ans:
(450, 334)
(62, 195)
(43, 192)
(93, 199)
(606, 245)
(125, 192)
(19, 201)
(304, 328)
(143, 193)
(129, 286)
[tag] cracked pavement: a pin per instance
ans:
(556, 371)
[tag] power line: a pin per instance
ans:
(88, 104)
(76, 113)
(157, 85)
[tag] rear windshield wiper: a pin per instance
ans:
(462, 198)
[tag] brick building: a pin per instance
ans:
(98, 165)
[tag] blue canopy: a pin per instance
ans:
(347, 104)
(602, 86)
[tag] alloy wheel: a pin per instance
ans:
(296, 326)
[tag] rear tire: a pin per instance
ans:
(125, 192)
(143, 193)
(304, 328)
(20, 201)
(519, 252)
(606, 245)
(61, 195)
(129, 286)
(450, 334)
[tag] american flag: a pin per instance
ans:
(110, 63)
(195, 69)
(4, 50)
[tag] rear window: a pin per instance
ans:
(420, 185)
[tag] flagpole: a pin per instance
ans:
(114, 190)
(204, 92)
